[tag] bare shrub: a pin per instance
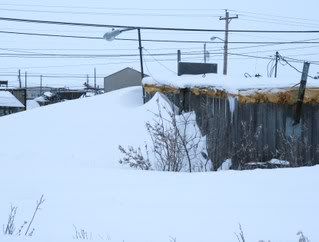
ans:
(9, 228)
(240, 236)
(293, 148)
(302, 237)
(175, 144)
(246, 150)
(135, 158)
(37, 208)
(81, 234)
(172, 239)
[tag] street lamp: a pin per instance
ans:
(225, 52)
(215, 37)
(110, 36)
(206, 53)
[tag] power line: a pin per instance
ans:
(220, 42)
(111, 13)
(54, 55)
(112, 8)
(159, 62)
(152, 28)
(272, 16)
(161, 40)
(52, 35)
(252, 56)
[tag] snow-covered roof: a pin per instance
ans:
(40, 99)
(31, 104)
(230, 84)
(48, 94)
(7, 99)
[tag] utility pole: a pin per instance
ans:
(40, 85)
(95, 80)
(87, 79)
(301, 93)
(227, 19)
(276, 63)
(205, 53)
(19, 78)
(25, 80)
(141, 59)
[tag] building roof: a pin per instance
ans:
(230, 84)
(7, 99)
(125, 69)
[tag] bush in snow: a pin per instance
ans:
(294, 149)
(25, 228)
(10, 227)
(302, 237)
(240, 237)
(246, 150)
(135, 158)
(176, 144)
(81, 234)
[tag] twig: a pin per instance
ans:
(41, 201)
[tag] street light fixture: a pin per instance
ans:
(110, 36)
(225, 52)
(206, 53)
(215, 37)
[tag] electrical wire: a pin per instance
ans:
(152, 55)
(111, 13)
(153, 28)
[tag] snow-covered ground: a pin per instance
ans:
(69, 153)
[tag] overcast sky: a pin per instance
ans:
(270, 15)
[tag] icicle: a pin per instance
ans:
(232, 102)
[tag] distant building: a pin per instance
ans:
(34, 92)
(9, 103)
(59, 95)
(3, 83)
(127, 77)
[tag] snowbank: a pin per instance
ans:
(69, 153)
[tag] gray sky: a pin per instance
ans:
(272, 15)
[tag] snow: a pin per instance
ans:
(7, 99)
(69, 153)
(31, 104)
(230, 84)
(225, 165)
(279, 162)
(40, 99)
(48, 94)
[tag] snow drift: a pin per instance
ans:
(69, 153)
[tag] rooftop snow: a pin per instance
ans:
(7, 99)
(229, 84)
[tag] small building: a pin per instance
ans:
(37, 91)
(251, 121)
(59, 95)
(127, 77)
(3, 83)
(9, 103)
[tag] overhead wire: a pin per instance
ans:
(82, 24)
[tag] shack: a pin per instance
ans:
(9, 103)
(248, 120)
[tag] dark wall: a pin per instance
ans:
(253, 132)
(20, 94)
